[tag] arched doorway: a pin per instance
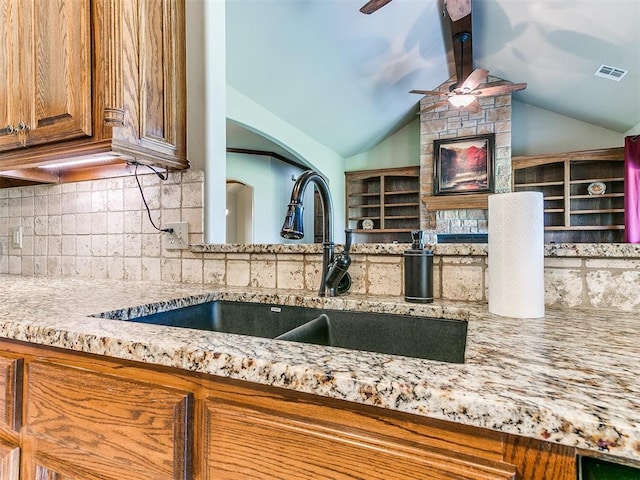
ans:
(239, 212)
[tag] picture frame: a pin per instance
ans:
(464, 165)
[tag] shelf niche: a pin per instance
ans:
(389, 198)
(571, 214)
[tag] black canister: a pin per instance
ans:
(418, 271)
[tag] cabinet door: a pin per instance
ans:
(78, 420)
(9, 71)
(9, 462)
(56, 71)
(44, 471)
(253, 436)
(10, 392)
(153, 66)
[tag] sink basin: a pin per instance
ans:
(411, 336)
(243, 318)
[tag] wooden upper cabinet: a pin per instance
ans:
(56, 79)
(46, 95)
(10, 109)
(151, 63)
(91, 79)
(9, 461)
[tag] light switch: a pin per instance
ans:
(17, 237)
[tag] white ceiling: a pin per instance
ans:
(343, 77)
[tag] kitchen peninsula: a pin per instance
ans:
(566, 381)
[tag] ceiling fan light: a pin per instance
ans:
(461, 100)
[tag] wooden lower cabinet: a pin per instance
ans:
(46, 473)
(10, 392)
(97, 421)
(87, 417)
(255, 434)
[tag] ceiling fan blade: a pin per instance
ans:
(434, 106)
(458, 9)
(428, 92)
(472, 81)
(373, 5)
(499, 90)
(473, 107)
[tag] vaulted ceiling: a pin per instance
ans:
(343, 77)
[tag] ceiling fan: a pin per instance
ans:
(466, 94)
(456, 9)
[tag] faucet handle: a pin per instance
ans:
(337, 279)
(349, 239)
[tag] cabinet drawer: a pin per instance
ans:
(86, 419)
(251, 434)
(10, 392)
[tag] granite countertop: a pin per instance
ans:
(591, 250)
(570, 377)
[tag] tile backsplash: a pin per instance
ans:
(100, 229)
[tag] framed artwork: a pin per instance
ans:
(464, 165)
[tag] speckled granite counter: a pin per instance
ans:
(592, 250)
(570, 378)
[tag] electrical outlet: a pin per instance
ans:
(179, 238)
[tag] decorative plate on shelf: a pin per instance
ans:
(596, 188)
(367, 224)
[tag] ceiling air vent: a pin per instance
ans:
(612, 73)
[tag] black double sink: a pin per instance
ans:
(411, 336)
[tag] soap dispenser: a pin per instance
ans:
(418, 271)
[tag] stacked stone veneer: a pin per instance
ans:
(100, 229)
(451, 122)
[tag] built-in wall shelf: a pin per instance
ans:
(571, 213)
(388, 200)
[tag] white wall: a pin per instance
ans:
(206, 110)
(402, 149)
(330, 164)
(536, 131)
(272, 185)
(634, 131)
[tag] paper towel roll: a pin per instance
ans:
(516, 254)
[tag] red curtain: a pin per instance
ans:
(632, 189)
